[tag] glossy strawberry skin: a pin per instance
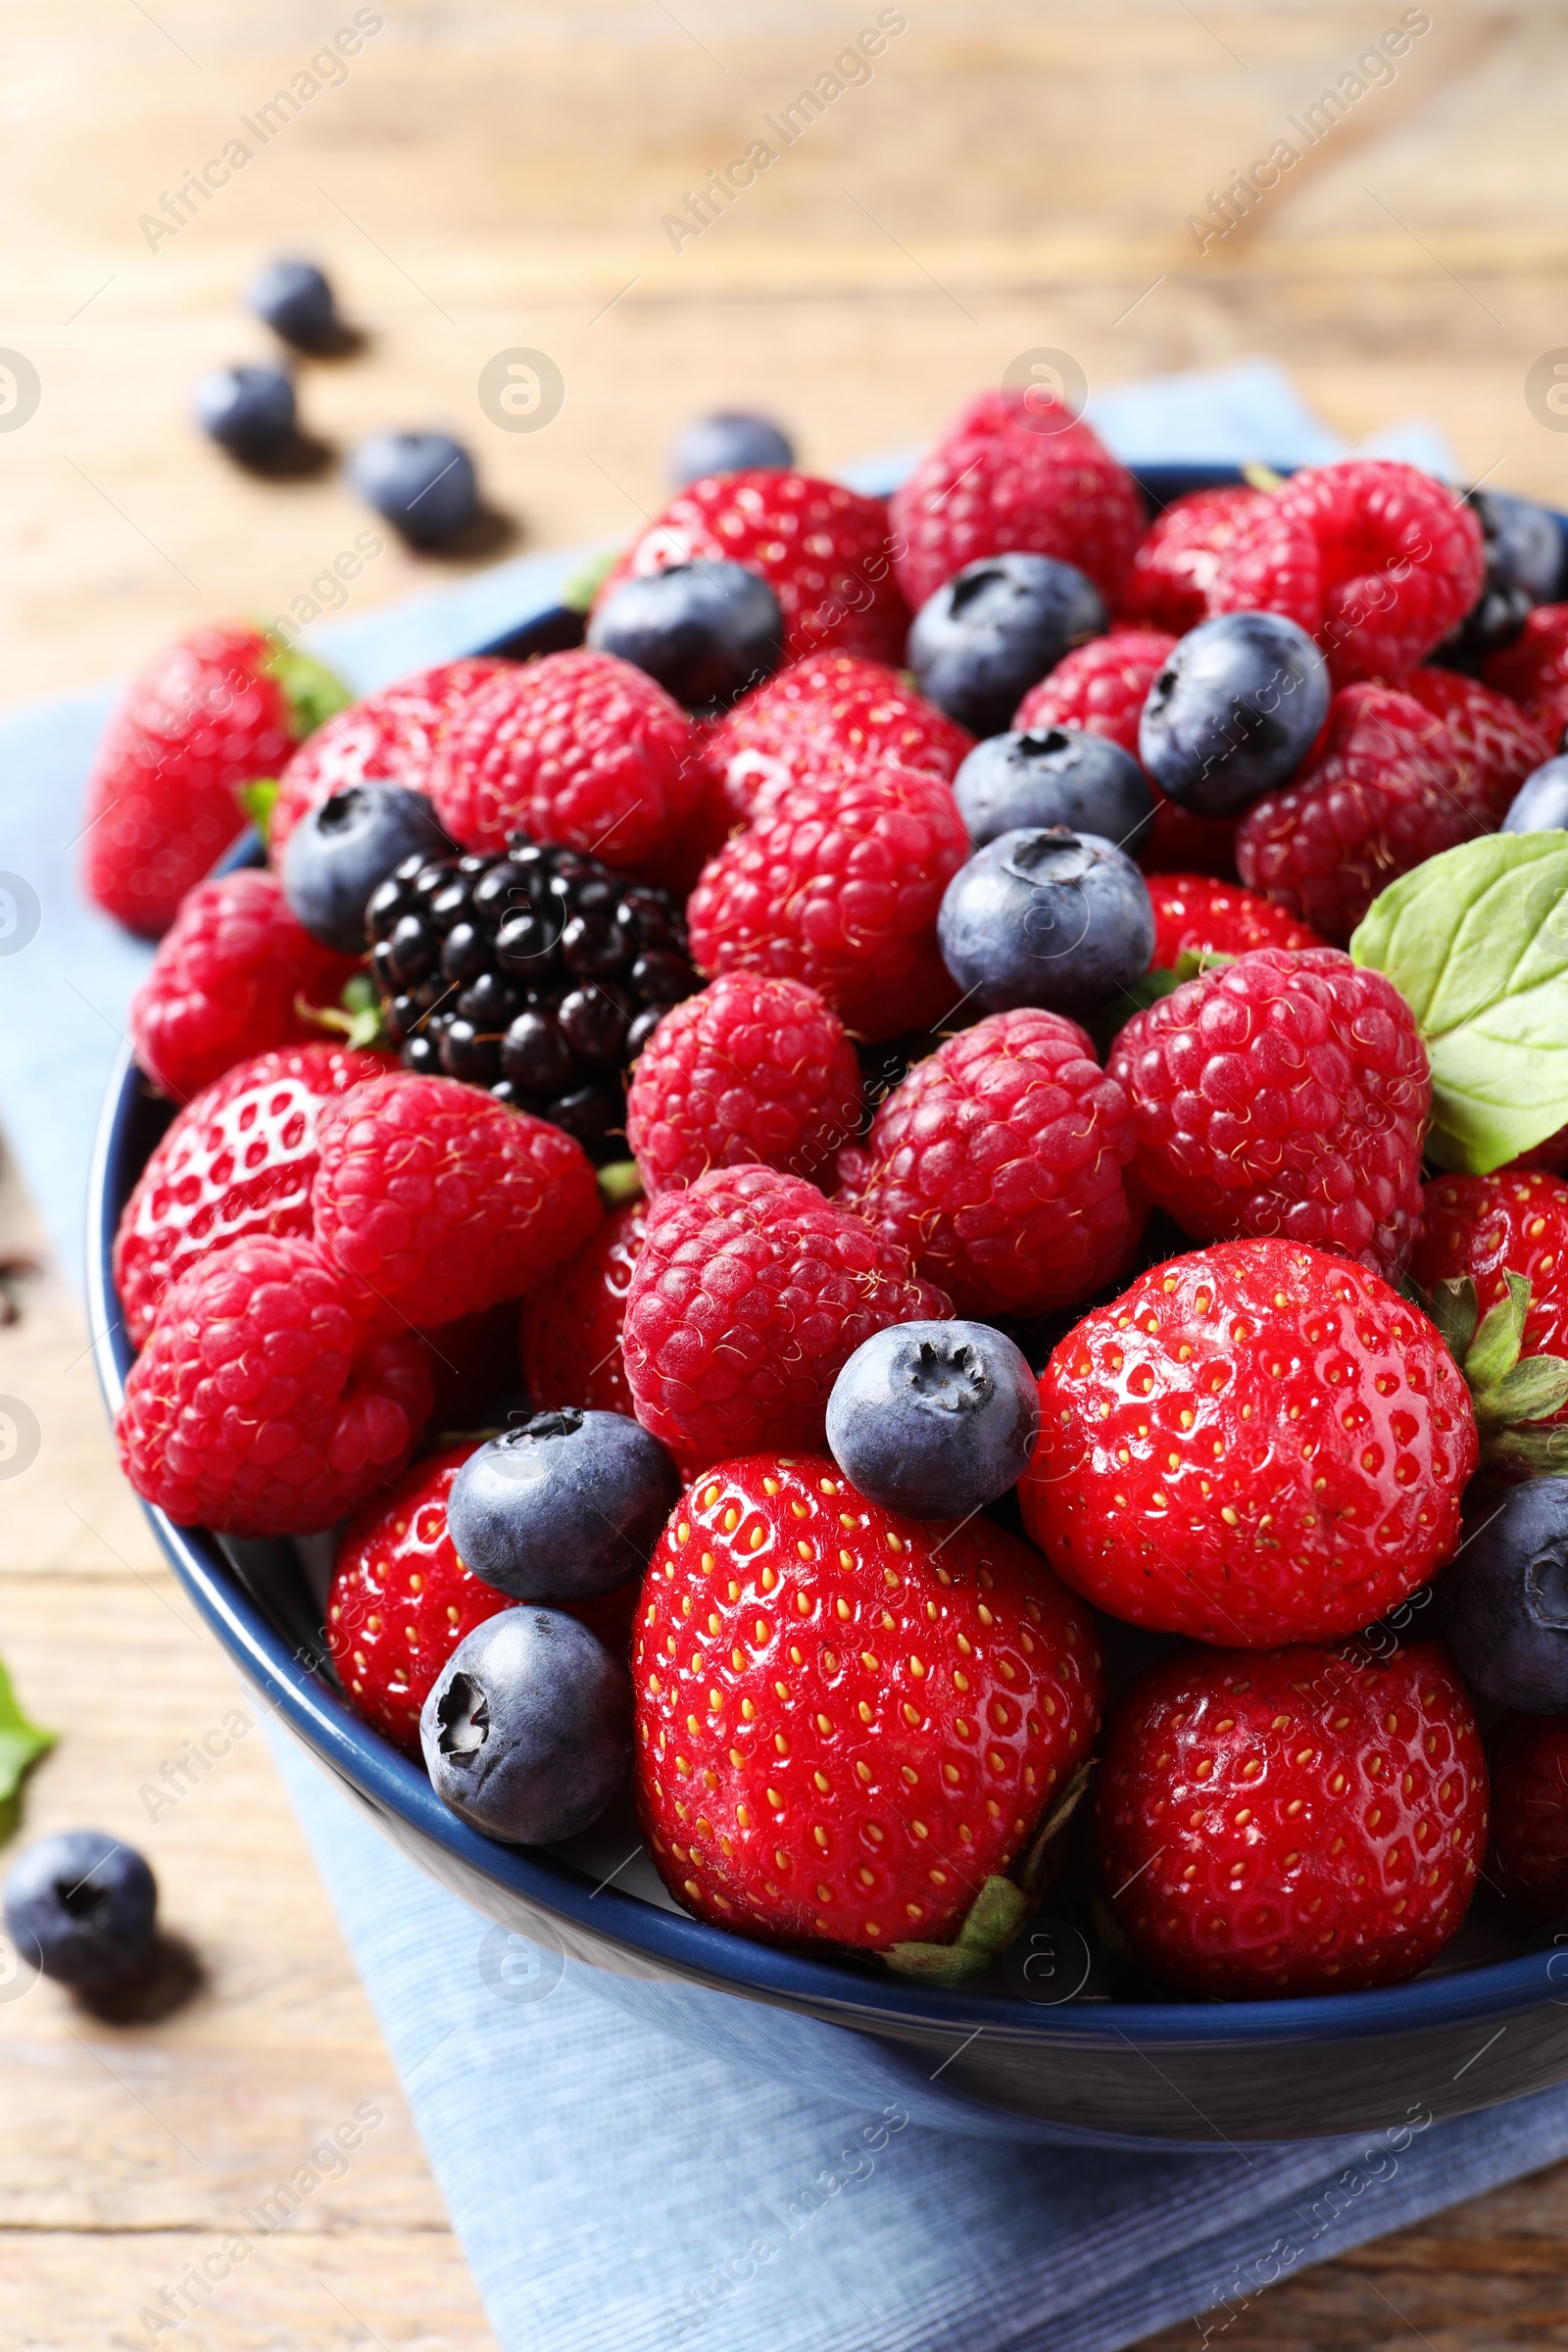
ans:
(1194, 915)
(1529, 1859)
(571, 1324)
(846, 1720)
(1487, 1227)
(1254, 1443)
(1182, 557)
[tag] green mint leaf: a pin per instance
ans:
(1476, 941)
(314, 691)
(22, 1743)
(585, 582)
(257, 800)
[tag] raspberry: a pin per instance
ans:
(236, 1164)
(750, 1295)
(1485, 1227)
(752, 1069)
(998, 1165)
(1381, 796)
(1534, 670)
(1402, 561)
(389, 738)
(1497, 743)
(833, 716)
(579, 749)
(1195, 915)
(1272, 565)
(1283, 1094)
(1182, 557)
(840, 887)
(994, 482)
(825, 552)
(1529, 1860)
(226, 983)
(1102, 688)
(441, 1200)
(572, 1325)
(262, 1404)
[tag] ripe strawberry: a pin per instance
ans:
(1402, 558)
(219, 709)
(238, 1162)
(228, 981)
(1254, 1443)
(998, 480)
(1287, 1093)
(388, 738)
(832, 715)
(1296, 1821)
(1196, 915)
(825, 552)
(847, 1721)
(1182, 556)
(1527, 1755)
(1489, 1227)
(571, 1324)
(1381, 796)
(1498, 744)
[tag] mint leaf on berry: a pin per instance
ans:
(1476, 941)
(22, 1743)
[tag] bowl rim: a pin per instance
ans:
(393, 1783)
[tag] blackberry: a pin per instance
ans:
(536, 973)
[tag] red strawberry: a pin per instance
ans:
(1381, 796)
(1181, 558)
(1498, 744)
(571, 1324)
(1485, 1228)
(832, 715)
(388, 738)
(825, 552)
(1296, 1821)
(1402, 558)
(228, 981)
(238, 1162)
(1283, 1094)
(219, 709)
(1009, 475)
(1529, 1859)
(1196, 915)
(1254, 1443)
(847, 1721)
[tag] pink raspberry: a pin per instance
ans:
(1402, 561)
(833, 716)
(1182, 557)
(227, 982)
(752, 1069)
(442, 1201)
(1285, 1096)
(750, 1295)
(839, 886)
(1498, 744)
(1273, 563)
(1534, 670)
(262, 1404)
(578, 748)
(388, 738)
(996, 481)
(1383, 796)
(998, 1164)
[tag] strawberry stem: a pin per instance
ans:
(998, 1911)
(1504, 1389)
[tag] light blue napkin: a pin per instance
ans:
(613, 2186)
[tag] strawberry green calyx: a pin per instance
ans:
(258, 799)
(1000, 1908)
(313, 692)
(1508, 1394)
(619, 1183)
(584, 584)
(356, 1019)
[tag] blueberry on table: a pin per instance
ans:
(1234, 712)
(1054, 776)
(1541, 805)
(248, 411)
(1047, 916)
(295, 300)
(526, 1733)
(733, 443)
(1504, 1599)
(82, 1907)
(567, 1505)
(707, 631)
(423, 484)
(346, 848)
(997, 628)
(933, 1419)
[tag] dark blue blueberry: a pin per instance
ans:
(1504, 1599)
(528, 1730)
(346, 848)
(1234, 712)
(705, 632)
(296, 302)
(1056, 777)
(728, 444)
(423, 484)
(82, 1907)
(568, 1506)
(1524, 543)
(935, 1419)
(247, 411)
(1048, 917)
(1540, 804)
(994, 630)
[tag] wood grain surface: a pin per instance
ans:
(482, 175)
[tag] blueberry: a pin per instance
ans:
(935, 1419)
(528, 1730)
(565, 1506)
(421, 483)
(247, 411)
(1506, 1600)
(994, 630)
(705, 630)
(1524, 543)
(1057, 778)
(728, 444)
(1047, 916)
(346, 848)
(82, 1908)
(296, 302)
(1234, 712)
(1540, 804)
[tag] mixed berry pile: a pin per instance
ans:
(916, 1202)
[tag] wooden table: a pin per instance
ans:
(482, 175)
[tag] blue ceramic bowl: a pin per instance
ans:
(1476, 2031)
